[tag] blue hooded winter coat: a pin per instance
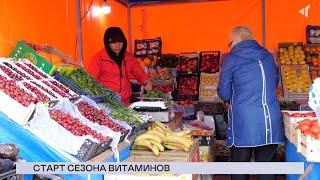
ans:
(248, 81)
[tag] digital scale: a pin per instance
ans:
(158, 108)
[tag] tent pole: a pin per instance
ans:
(129, 28)
(264, 23)
(79, 32)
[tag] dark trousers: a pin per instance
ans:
(267, 153)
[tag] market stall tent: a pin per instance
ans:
(192, 26)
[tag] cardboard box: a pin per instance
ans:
(167, 155)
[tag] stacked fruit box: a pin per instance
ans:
(308, 139)
(295, 81)
(209, 61)
(291, 120)
(22, 85)
(208, 87)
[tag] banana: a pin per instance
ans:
(159, 129)
(146, 143)
(181, 133)
(159, 146)
(157, 133)
(150, 128)
(137, 147)
(179, 146)
(188, 136)
(148, 136)
(177, 139)
(159, 124)
(190, 141)
(168, 146)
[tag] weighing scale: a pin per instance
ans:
(158, 108)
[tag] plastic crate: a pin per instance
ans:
(186, 110)
(78, 90)
(163, 86)
(180, 95)
(136, 129)
(295, 96)
(11, 175)
(168, 60)
(313, 34)
(188, 59)
(209, 61)
(289, 106)
(90, 149)
(210, 108)
(147, 47)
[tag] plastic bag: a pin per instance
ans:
(51, 132)
(67, 107)
(314, 97)
(123, 124)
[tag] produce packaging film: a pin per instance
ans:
(50, 131)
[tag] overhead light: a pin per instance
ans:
(105, 8)
(100, 10)
(96, 11)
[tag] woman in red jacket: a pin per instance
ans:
(113, 65)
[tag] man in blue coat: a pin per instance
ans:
(248, 82)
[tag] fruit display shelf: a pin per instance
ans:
(295, 81)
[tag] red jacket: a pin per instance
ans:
(107, 72)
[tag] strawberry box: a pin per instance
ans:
(187, 88)
(209, 61)
(188, 63)
(63, 127)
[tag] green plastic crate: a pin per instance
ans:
(22, 50)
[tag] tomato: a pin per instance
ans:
(315, 136)
(303, 127)
(315, 129)
(305, 121)
(315, 123)
(307, 132)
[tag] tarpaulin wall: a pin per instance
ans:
(54, 23)
(206, 26)
(182, 26)
(196, 26)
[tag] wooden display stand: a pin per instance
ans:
(167, 156)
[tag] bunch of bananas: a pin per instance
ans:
(158, 137)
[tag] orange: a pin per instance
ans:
(307, 49)
(147, 61)
(318, 49)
